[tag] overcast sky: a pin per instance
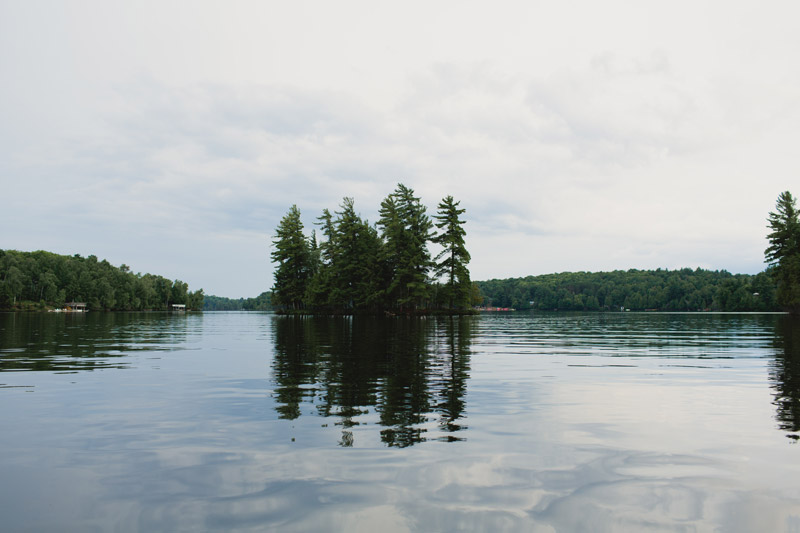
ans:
(578, 135)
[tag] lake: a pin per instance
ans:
(499, 422)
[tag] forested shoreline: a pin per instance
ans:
(40, 280)
(775, 289)
(262, 302)
(43, 279)
(651, 290)
(637, 290)
(387, 268)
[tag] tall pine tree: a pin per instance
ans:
(454, 255)
(783, 253)
(320, 286)
(406, 230)
(293, 257)
(356, 247)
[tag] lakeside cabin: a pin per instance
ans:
(178, 308)
(75, 307)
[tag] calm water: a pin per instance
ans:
(516, 422)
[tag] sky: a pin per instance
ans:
(578, 135)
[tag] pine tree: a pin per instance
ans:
(406, 230)
(319, 288)
(784, 238)
(356, 247)
(783, 253)
(292, 255)
(393, 236)
(454, 255)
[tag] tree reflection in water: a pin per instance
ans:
(785, 374)
(410, 371)
(71, 342)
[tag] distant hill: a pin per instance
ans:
(662, 290)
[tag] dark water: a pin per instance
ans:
(515, 422)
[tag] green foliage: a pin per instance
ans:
(783, 253)
(55, 279)
(358, 267)
(318, 291)
(356, 246)
(406, 231)
(263, 302)
(454, 255)
(659, 290)
(292, 254)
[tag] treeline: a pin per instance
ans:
(30, 280)
(386, 267)
(661, 290)
(262, 302)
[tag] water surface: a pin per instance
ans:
(253, 422)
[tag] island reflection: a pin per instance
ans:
(408, 371)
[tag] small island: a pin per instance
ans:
(381, 269)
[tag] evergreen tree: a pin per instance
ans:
(320, 286)
(356, 246)
(454, 255)
(292, 255)
(326, 247)
(406, 232)
(393, 237)
(783, 253)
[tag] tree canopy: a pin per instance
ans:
(637, 290)
(360, 267)
(39, 279)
